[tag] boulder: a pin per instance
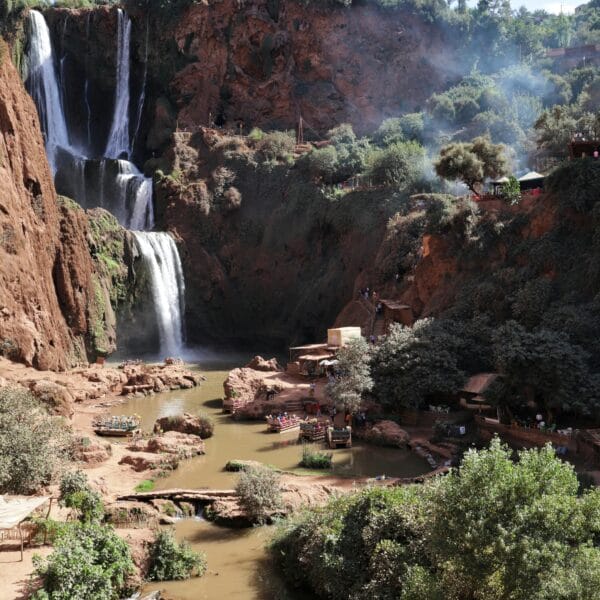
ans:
(258, 363)
(185, 423)
(56, 397)
(145, 461)
(184, 445)
(387, 433)
(91, 452)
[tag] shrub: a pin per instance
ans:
(89, 561)
(170, 560)
(232, 199)
(71, 483)
(312, 459)
(145, 486)
(259, 492)
(33, 444)
(207, 425)
(256, 134)
(276, 145)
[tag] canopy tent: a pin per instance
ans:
(531, 181)
(15, 510)
(531, 176)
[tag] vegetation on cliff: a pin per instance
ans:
(494, 528)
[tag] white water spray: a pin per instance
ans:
(159, 252)
(44, 88)
(118, 138)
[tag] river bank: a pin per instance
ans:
(232, 440)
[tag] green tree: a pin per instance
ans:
(415, 363)
(399, 165)
(471, 162)
(495, 529)
(543, 366)
(511, 190)
(33, 444)
(506, 529)
(355, 375)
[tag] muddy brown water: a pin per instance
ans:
(238, 564)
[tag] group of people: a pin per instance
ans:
(368, 294)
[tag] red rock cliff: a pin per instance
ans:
(47, 291)
(267, 63)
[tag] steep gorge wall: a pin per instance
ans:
(52, 309)
(267, 63)
(260, 64)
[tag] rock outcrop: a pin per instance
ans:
(55, 307)
(387, 433)
(183, 445)
(186, 423)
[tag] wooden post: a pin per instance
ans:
(21, 536)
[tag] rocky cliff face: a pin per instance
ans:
(260, 63)
(267, 63)
(52, 309)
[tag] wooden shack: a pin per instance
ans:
(305, 360)
(396, 312)
(472, 394)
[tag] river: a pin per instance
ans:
(238, 565)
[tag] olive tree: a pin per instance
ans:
(471, 162)
(33, 444)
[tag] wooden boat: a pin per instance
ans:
(312, 431)
(116, 426)
(339, 437)
(282, 423)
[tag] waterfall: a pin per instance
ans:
(142, 98)
(135, 196)
(161, 257)
(118, 138)
(43, 87)
(109, 182)
(86, 87)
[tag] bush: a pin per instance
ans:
(312, 459)
(496, 528)
(145, 486)
(75, 493)
(71, 483)
(33, 444)
(170, 560)
(259, 492)
(207, 425)
(399, 165)
(277, 145)
(256, 134)
(89, 561)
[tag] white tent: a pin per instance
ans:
(15, 510)
(531, 175)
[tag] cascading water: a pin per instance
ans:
(112, 183)
(43, 87)
(160, 254)
(118, 138)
